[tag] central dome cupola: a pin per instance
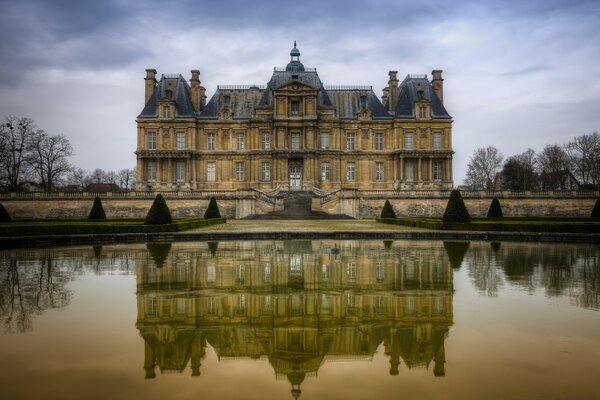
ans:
(295, 65)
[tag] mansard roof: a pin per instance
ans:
(282, 77)
(414, 88)
(173, 87)
(242, 101)
(348, 102)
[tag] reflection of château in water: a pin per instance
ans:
(298, 303)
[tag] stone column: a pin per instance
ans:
(419, 170)
(402, 169)
(430, 177)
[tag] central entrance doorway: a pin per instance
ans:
(295, 167)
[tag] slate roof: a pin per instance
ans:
(242, 102)
(178, 90)
(409, 93)
(283, 77)
(348, 103)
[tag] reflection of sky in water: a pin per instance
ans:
(267, 319)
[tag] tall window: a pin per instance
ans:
(351, 271)
(211, 171)
(379, 171)
(350, 171)
(350, 141)
(239, 141)
(325, 171)
(180, 171)
(295, 141)
(151, 171)
(266, 141)
(239, 171)
(379, 141)
(422, 112)
(210, 141)
(437, 170)
(380, 272)
(295, 107)
(180, 140)
(408, 140)
(211, 273)
(266, 171)
(437, 140)
(325, 140)
(152, 140)
(165, 111)
(295, 265)
(409, 171)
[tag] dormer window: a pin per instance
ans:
(295, 107)
(166, 112)
(363, 101)
(422, 112)
(226, 101)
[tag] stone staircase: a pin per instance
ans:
(297, 205)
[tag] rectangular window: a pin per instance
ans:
(325, 171)
(211, 305)
(226, 101)
(409, 171)
(408, 140)
(152, 140)
(422, 112)
(239, 141)
(351, 271)
(266, 273)
(180, 140)
(180, 305)
(151, 171)
(379, 171)
(211, 171)
(211, 273)
(295, 107)
(239, 171)
(295, 141)
(266, 141)
(379, 141)
(350, 141)
(437, 170)
(325, 272)
(166, 113)
(380, 272)
(324, 140)
(266, 171)
(210, 141)
(437, 141)
(350, 171)
(180, 171)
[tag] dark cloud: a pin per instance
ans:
(526, 70)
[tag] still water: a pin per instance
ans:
(314, 319)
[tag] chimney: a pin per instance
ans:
(150, 83)
(195, 89)
(393, 90)
(438, 84)
(386, 95)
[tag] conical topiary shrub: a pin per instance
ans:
(495, 211)
(212, 211)
(456, 211)
(97, 211)
(596, 209)
(212, 247)
(456, 251)
(4, 215)
(159, 212)
(388, 210)
(159, 252)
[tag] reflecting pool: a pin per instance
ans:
(304, 319)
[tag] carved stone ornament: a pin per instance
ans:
(225, 113)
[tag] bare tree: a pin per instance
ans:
(48, 158)
(518, 172)
(584, 154)
(554, 167)
(79, 177)
(98, 176)
(485, 163)
(127, 178)
(16, 134)
(112, 177)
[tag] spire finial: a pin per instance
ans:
(294, 43)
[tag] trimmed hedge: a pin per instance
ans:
(4, 215)
(212, 247)
(596, 209)
(97, 211)
(512, 225)
(102, 227)
(159, 213)
(213, 209)
(456, 211)
(495, 211)
(159, 252)
(388, 210)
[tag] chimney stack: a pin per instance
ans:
(150, 83)
(393, 90)
(386, 95)
(195, 89)
(438, 84)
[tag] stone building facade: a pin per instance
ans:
(293, 133)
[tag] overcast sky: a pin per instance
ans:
(518, 74)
